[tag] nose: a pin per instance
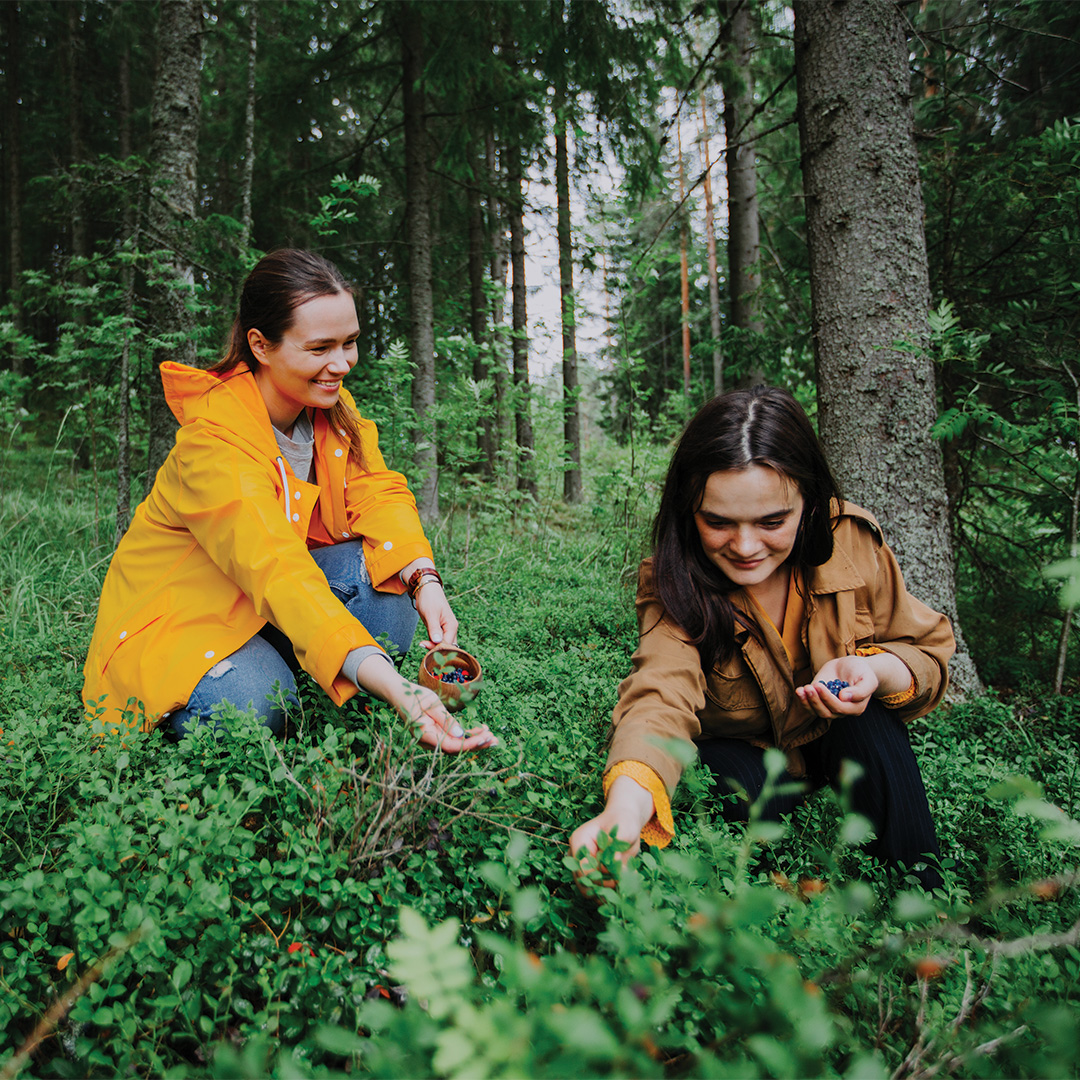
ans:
(744, 542)
(341, 360)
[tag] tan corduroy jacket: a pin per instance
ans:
(854, 600)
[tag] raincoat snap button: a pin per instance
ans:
(123, 634)
(338, 453)
(296, 517)
(388, 546)
(296, 495)
(209, 655)
(346, 535)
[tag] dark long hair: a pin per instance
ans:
(761, 426)
(279, 283)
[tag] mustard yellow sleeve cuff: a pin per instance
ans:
(660, 828)
(890, 701)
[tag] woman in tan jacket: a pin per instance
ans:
(772, 614)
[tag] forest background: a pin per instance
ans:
(874, 205)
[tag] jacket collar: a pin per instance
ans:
(839, 574)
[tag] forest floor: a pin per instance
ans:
(344, 902)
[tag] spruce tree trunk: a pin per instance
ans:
(869, 286)
(572, 491)
(526, 464)
(174, 146)
(418, 226)
(248, 172)
(123, 441)
(499, 247)
(744, 236)
(80, 237)
(12, 151)
(478, 311)
(714, 277)
(684, 272)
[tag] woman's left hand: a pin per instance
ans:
(434, 609)
(852, 700)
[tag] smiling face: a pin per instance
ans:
(306, 367)
(748, 521)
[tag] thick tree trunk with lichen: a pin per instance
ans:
(174, 148)
(870, 287)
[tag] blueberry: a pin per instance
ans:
(456, 675)
(834, 686)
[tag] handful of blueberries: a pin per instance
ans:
(459, 675)
(834, 686)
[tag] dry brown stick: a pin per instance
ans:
(63, 1005)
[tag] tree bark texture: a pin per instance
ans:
(80, 234)
(174, 144)
(123, 439)
(12, 153)
(869, 286)
(710, 238)
(500, 262)
(572, 491)
(684, 272)
(478, 324)
(744, 237)
(418, 226)
(526, 465)
(248, 173)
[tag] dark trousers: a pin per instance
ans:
(890, 792)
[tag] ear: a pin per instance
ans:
(258, 345)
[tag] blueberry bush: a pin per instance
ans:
(346, 903)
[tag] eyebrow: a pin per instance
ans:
(764, 517)
(330, 340)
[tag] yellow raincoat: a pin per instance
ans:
(220, 547)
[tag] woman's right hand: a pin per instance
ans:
(438, 729)
(628, 810)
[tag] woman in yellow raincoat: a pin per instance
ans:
(274, 536)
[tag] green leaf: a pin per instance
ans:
(582, 1030)
(181, 975)
(912, 906)
(1012, 786)
(340, 1041)
(855, 830)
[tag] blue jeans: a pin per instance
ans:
(246, 678)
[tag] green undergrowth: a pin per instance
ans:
(345, 903)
